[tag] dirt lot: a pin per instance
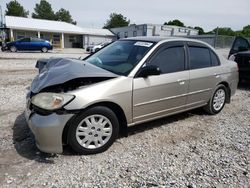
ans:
(192, 149)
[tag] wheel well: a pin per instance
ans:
(228, 94)
(114, 107)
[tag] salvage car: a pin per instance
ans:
(87, 103)
(240, 53)
(28, 44)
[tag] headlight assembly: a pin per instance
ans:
(51, 101)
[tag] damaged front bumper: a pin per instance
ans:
(47, 129)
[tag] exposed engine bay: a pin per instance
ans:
(64, 74)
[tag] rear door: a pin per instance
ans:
(159, 95)
(205, 73)
(239, 44)
(36, 44)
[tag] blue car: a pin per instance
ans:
(28, 44)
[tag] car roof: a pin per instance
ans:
(159, 39)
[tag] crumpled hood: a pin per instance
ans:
(56, 71)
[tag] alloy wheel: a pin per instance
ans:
(219, 99)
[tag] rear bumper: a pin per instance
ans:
(233, 86)
(47, 130)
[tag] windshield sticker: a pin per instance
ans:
(144, 44)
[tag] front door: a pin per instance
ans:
(239, 44)
(159, 95)
(23, 44)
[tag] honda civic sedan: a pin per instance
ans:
(28, 44)
(87, 103)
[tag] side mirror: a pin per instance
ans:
(149, 70)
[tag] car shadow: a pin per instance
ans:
(165, 121)
(24, 142)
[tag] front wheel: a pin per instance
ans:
(93, 131)
(217, 101)
(44, 50)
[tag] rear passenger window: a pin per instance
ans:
(199, 57)
(170, 60)
(214, 59)
(37, 40)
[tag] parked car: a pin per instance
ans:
(240, 52)
(87, 103)
(95, 48)
(28, 44)
(89, 47)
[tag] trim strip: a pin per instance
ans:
(173, 97)
(169, 109)
(165, 115)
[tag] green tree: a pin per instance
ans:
(43, 10)
(116, 20)
(65, 16)
(200, 30)
(224, 31)
(246, 31)
(14, 8)
(175, 22)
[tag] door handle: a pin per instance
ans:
(181, 81)
(216, 75)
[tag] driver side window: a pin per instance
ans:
(170, 59)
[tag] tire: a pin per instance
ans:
(44, 49)
(217, 101)
(13, 49)
(87, 136)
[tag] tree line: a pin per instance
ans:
(245, 32)
(42, 10)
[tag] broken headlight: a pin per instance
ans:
(51, 101)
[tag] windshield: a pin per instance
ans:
(120, 57)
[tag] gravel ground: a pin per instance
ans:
(191, 149)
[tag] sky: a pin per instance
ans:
(208, 14)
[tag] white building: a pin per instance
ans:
(153, 30)
(60, 34)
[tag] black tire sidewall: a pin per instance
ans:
(100, 110)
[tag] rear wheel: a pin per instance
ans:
(218, 100)
(44, 49)
(13, 49)
(93, 131)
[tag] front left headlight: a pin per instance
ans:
(51, 101)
